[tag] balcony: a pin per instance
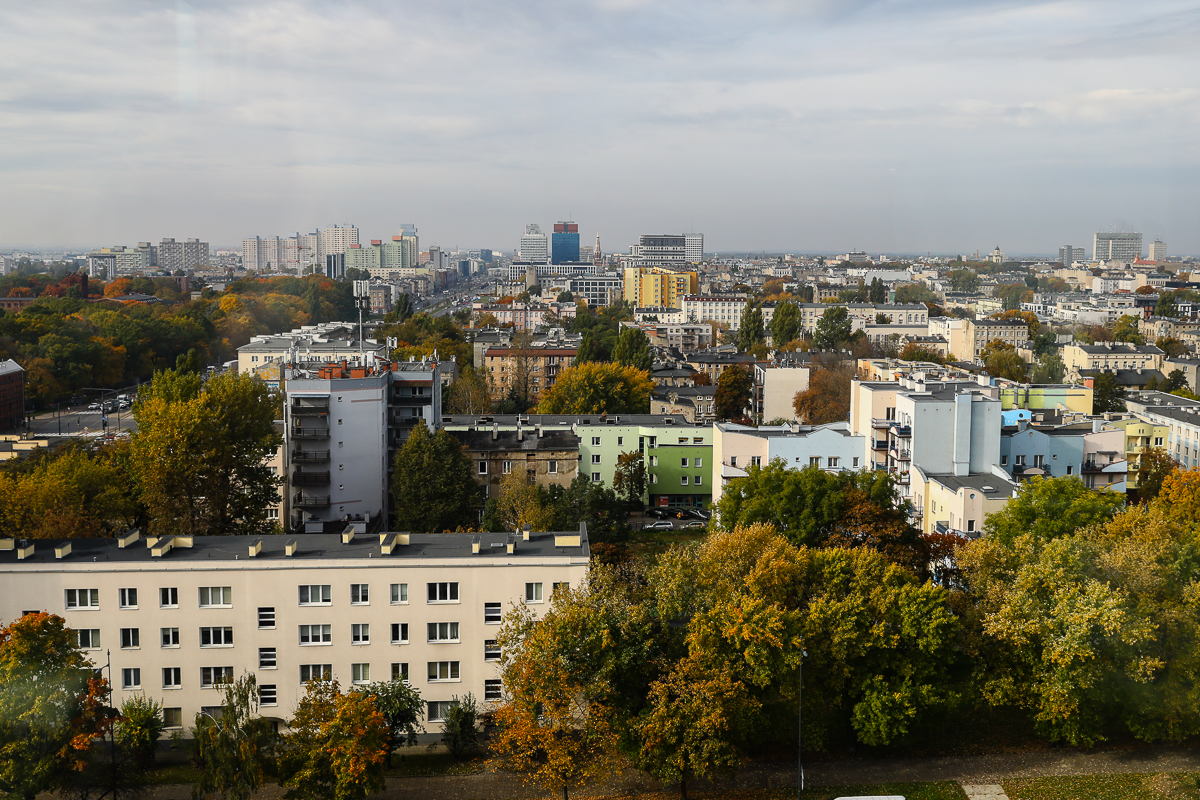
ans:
(902, 431)
(310, 456)
(900, 455)
(879, 444)
(881, 424)
(310, 431)
(310, 409)
(301, 478)
(903, 478)
(302, 500)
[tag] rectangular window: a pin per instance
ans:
(1039, 461)
(443, 631)
(653, 478)
(266, 617)
(316, 634)
(492, 613)
(445, 592)
(1020, 461)
(170, 637)
(316, 672)
(216, 597)
(438, 710)
(559, 586)
(216, 637)
(595, 441)
(360, 673)
(533, 593)
(130, 638)
(833, 462)
(443, 671)
(89, 638)
(1070, 469)
(698, 462)
(970, 525)
(683, 462)
(172, 678)
(733, 461)
(400, 671)
(399, 633)
(683, 480)
(316, 595)
(1158, 441)
(491, 650)
(212, 676)
(267, 658)
(1004, 461)
(127, 597)
(360, 594)
(697, 440)
(654, 461)
(814, 461)
(595, 477)
(131, 678)
(595, 459)
(360, 633)
(399, 593)
(697, 480)
(483, 468)
(172, 718)
(83, 598)
(168, 597)
(855, 464)
(552, 467)
(268, 694)
(493, 690)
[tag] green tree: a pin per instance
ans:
(460, 726)
(629, 480)
(1166, 305)
(1005, 363)
(732, 395)
(785, 323)
(565, 297)
(964, 280)
(234, 749)
(1051, 508)
(593, 388)
(199, 455)
(878, 293)
(432, 486)
(52, 705)
(139, 726)
(402, 710)
(750, 330)
(1126, 330)
(832, 329)
(916, 352)
(1049, 368)
(633, 349)
(1154, 465)
(915, 293)
(189, 362)
(1107, 394)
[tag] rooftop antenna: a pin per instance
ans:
(362, 296)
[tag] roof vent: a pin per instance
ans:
(255, 547)
(525, 531)
(129, 538)
(987, 489)
(348, 534)
(25, 551)
(291, 547)
(63, 550)
(162, 547)
(7, 544)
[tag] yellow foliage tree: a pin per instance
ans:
(592, 388)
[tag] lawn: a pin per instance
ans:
(1163, 786)
(423, 764)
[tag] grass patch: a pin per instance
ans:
(1162, 786)
(423, 765)
(909, 791)
(168, 774)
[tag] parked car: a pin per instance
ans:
(701, 514)
(695, 524)
(661, 525)
(657, 513)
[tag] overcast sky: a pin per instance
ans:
(799, 125)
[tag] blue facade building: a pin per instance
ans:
(564, 243)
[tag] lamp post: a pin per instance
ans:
(800, 728)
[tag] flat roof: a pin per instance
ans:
(977, 481)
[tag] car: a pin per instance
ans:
(661, 525)
(694, 524)
(94, 407)
(701, 514)
(657, 513)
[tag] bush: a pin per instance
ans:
(459, 732)
(139, 727)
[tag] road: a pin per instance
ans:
(78, 421)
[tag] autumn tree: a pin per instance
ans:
(1107, 394)
(139, 726)
(522, 502)
(593, 388)
(833, 328)
(200, 452)
(827, 398)
(786, 323)
(52, 705)
(336, 746)
(1126, 330)
(1154, 465)
(1002, 360)
(469, 394)
(1051, 508)
(432, 486)
(67, 494)
(916, 352)
(235, 747)
(633, 349)
(402, 710)
(629, 479)
(732, 395)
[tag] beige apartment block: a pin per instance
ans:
(505, 365)
(1112, 356)
(977, 334)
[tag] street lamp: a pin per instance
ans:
(800, 728)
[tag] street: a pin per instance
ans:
(78, 421)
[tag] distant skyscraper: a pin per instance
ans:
(565, 243)
(1117, 246)
(1068, 255)
(534, 246)
(694, 248)
(1158, 250)
(336, 240)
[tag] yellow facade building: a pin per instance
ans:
(647, 287)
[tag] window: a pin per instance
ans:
(833, 462)
(491, 650)
(552, 467)
(267, 658)
(1039, 461)
(216, 637)
(438, 710)
(699, 462)
(683, 440)
(683, 480)
(533, 593)
(492, 613)
(1070, 469)
(483, 468)
(697, 480)
(130, 638)
(316, 672)
(443, 631)
(1158, 441)
(216, 597)
(595, 477)
(814, 461)
(127, 598)
(443, 671)
(1020, 461)
(400, 671)
(595, 459)
(360, 673)
(170, 637)
(733, 461)
(316, 634)
(855, 464)
(131, 678)
(266, 617)
(683, 462)
(559, 586)
(168, 597)
(595, 441)
(172, 678)
(360, 633)
(211, 676)
(697, 440)
(654, 461)
(268, 694)
(443, 592)
(505, 467)
(1004, 461)
(399, 593)
(89, 638)
(970, 525)
(83, 598)
(493, 690)
(172, 717)
(316, 595)
(653, 477)
(399, 633)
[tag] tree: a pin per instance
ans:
(565, 297)
(402, 710)
(593, 388)
(1051, 508)
(916, 352)
(732, 395)
(1050, 368)
(432, 486)
(832, 329)
(1174, 348)
(1004, 363)
(882, 319)
(629, 480)
(964, 280)
(1126, 330)
(52, 705)
(469, 394)
(69, 493)
(633, 349)
(235, 748)
(912, 293)
(1107, 394)
(336, 747)
(750, 329)
(189, 362)
(1166, 306)
(139, 726)
(460, 732)
(199, 455)
(522, 502)
(827, 398)
(878, 293)
(1154, 465)
(785, 323)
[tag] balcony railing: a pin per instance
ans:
(903, 431)
(302, 500)
(882, 424)
(308, 409)
(900, 455)
(310, 456)
(310, 431)
(879, 444)
(300, 478)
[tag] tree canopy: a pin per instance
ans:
(827, 398)
(833, 328)
(633, 349)
(432, 486)
(732, 395)
(593, 388)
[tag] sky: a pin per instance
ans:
(943, 126)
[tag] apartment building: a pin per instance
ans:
(1112, 356)
(310, 344)
(776, 384)
(547, 457)
(1140, 436)
(1154, 328)
(696, 404)
(539, 364)
(658, 286)
(391, 259)
(1093, 450)
(187, 255)
(975, 335)
(179, 615)
(682, 336)
(737, 448)
(525, 316)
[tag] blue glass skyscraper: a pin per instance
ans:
(564, 244)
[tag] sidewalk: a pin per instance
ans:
(987, 769)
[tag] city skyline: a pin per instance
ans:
(810, 127)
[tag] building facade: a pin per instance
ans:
(565, 243)
(657, 286)
(12, 396)
(737, 448)
(1117, 246)
(534, 247)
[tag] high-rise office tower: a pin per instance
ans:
(694, 248)
(565, 243)
(534, 246)
(1068, 255)
(1117, 246)
(1158, 250)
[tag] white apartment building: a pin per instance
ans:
(1112, 356)
(1116, 246)
(1158, 250)
(535, 246)
(693, 247)
(179, 615)
(736, 448)
(776, 384)
(725, 309)
(310, 344)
